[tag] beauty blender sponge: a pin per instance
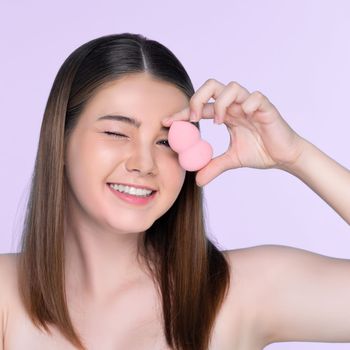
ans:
(185, 139)
(196, 157)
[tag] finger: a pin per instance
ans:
(234, 109)
(257, 102)
(238, 116)
(233, 93)
(211, 88)
(184, 114)
(216, 167)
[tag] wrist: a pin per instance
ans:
(302, 153)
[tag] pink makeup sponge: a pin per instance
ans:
(184, 138)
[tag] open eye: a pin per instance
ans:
(166, 143)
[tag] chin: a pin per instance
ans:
(130, 226)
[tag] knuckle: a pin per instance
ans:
(233, 84)
(258, 95)
(211, 81)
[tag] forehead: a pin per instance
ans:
(137, 94)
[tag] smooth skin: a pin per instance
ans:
(303, 296)
(261, 138)
(277, 293)
(102, 230)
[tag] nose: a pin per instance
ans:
(141, 160)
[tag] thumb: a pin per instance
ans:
(214, 168)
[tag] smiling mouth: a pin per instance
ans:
(132, 186)
(132, 191)
(134, 198)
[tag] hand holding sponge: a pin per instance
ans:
(184, 138)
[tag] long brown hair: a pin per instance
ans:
(192, 274)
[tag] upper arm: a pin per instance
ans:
(304, 296)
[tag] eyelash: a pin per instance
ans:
(116, 134)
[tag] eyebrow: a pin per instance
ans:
(131, 121)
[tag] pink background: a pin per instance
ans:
(296, 52)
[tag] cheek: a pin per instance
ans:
(173, 173)
(88, 161)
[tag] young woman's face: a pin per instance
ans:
(96, 158)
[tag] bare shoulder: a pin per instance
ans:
(255, 264)
(258, 264)
(8, 273)
(250, 266)
(254, 268)
(8, 278)
(262, 275)
(250, 269)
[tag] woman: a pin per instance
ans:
(114, 252)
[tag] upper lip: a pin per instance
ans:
(134, 185)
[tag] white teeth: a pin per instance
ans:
(131, 190)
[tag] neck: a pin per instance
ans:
(98, 262)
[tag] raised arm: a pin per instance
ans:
(261, 138)
(329, 179)
(299, 295)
